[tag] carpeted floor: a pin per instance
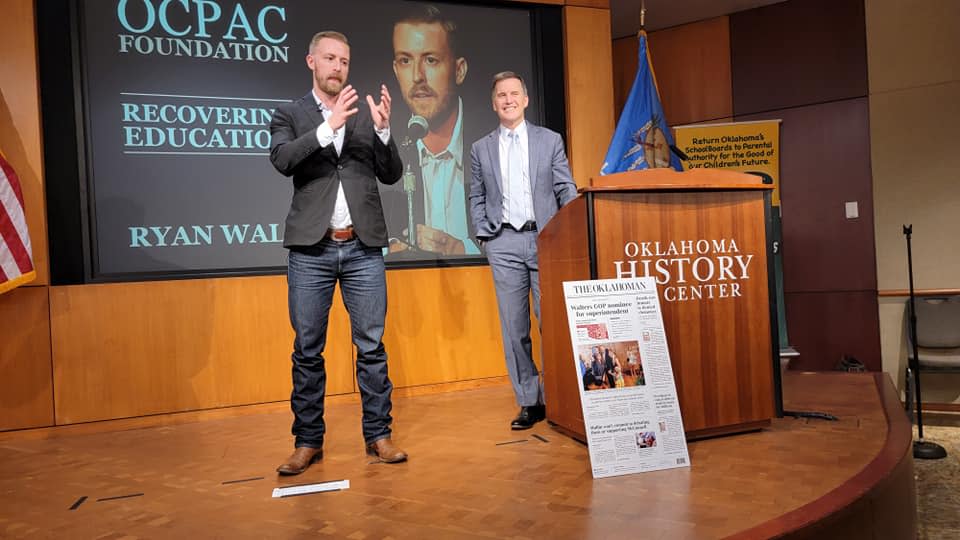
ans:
(938, 481)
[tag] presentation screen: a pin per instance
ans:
(177, 97)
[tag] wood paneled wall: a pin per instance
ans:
(798, 53)
(829, 278)
(692, 66)
(132, 349)
(442, 325)
(589, 89)
(825, 162)
(625, 51)
(693, 71)
(26, 398)
(599, 4)
(20, 121)
(791, 62)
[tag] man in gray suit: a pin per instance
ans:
(520, 178)
(336, 151)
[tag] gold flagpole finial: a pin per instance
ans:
(643, 15)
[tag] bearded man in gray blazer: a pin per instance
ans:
(520, 178)
(336, 150)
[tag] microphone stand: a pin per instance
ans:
(409, 187)
(416, 129)
(921, 449)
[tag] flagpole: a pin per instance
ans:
(642, 33)
(643, 16)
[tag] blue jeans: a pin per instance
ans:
(312, 274)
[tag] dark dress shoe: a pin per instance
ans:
(386, 451)
(528, 417)
(299, 460)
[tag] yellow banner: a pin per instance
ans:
(738, 146)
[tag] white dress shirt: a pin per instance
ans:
(516, 187)
(326, 135)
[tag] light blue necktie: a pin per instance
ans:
(515, 210)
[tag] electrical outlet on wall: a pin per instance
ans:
(852, 209)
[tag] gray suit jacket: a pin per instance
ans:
(316, 172)
(552, 187)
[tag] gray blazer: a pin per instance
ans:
(316, 172)
(553, 186)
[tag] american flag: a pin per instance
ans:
(16, 256)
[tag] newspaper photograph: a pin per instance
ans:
(627, 391)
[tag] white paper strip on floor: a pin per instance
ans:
(305, 489)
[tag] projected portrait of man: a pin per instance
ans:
(430, 70)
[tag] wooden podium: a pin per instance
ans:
(703, 235)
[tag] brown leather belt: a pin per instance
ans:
(340, 235)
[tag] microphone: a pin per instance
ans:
(416, 129)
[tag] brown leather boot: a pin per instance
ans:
(386, 451)
(299, 460)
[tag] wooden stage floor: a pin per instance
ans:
(469, 476)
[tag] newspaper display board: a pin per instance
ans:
(627, 391)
